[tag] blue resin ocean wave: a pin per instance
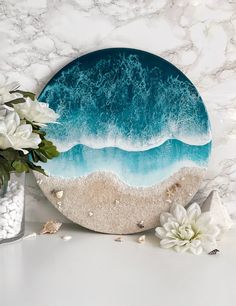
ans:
(141, 168)
(132, 112)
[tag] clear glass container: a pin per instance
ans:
(12, 208)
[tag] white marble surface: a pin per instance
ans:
(38, 37)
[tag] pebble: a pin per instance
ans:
(10, 222)
(3, 209)
(6, 216)
(66, 238)
(10, 230)
(10, 235)
(12, 206)
(3, 234)
(11, 211)
(141, 239)
(13, 214)
(3, 222)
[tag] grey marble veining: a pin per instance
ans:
(37, 38)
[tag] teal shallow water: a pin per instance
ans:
(143, 168)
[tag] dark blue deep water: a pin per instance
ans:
(129, 112)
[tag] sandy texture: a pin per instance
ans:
(103, 203)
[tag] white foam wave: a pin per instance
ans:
(127, 145)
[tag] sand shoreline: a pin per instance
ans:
(102, 202)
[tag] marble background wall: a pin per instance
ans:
(38, 37)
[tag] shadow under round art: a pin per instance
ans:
(134, 137)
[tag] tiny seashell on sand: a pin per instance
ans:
(169, 192)
(59, 193)
(141, 239)
(116, 202)
(90, 213)
(32, 235)
(177, 185)
(119, 239)
(66, 238)
(51, 227)
(140, 224)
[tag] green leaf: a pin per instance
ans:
(20, 166)
(26, 94)
(36, 168)
(48, 149)
(9, 154)
(34, 156)
(41, 133)
(5, 169)
(15, 101)
(40, 156)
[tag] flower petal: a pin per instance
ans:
(182, 242)
(179, 212)
(164, 217)
(167, 243)
(168, 226)
(181, 249)
(196, 250)
(196, 243)
(193, 211)
(160, 232)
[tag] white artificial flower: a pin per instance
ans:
(187, 230)
(6, 96)
(36, 112)
(14, 134)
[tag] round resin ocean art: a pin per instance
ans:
(134, 137)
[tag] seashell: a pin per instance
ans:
(116, 202)
(39, 181)
(51, 227)
(140, 224)
(213, 252)
(32, 235)
(119, 239)
(59, 194)
(169, 192)
(177, 185)
(90, 213)
(66, 238)
(218, 211)
(141, 239)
